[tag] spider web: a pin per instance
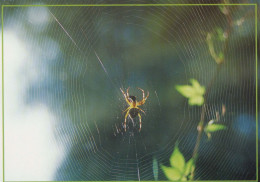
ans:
(102, 49)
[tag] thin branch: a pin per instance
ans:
(200, 126)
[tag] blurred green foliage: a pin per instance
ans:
(218, 57)
(179, 169)
(211, 128)
(214, 127)
(194, 92)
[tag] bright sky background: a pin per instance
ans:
(31, 151)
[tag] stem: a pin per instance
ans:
(203, 112)
(200, 126)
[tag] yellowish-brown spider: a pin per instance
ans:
(133, 110)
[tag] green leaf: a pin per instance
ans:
(196, 100)
(223, 9)
(183, 178)
(220, 34)
(188, 167)
(185, 90)
(221, 56)
(200, 90)
(219, 31)
(171, 173)
(217, 57)
(194, 92)
(155, 169)
(214, 127)
(177, 160)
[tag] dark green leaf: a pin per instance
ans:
(155, 169)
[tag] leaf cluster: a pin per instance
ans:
(193, 92)
(179, 169)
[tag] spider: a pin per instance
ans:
(133, 110)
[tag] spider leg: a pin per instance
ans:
(144, 98)
(147, 95)
(127, 109)
(126, 97)
(140, 122)
(142, 91)
(122, 91)
(125, 119)
(127, 93)
(140, 109)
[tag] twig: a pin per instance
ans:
(200, 126)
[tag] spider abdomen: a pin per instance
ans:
(133, 112)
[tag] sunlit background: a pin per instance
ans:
(31, 151)
(63, 70)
